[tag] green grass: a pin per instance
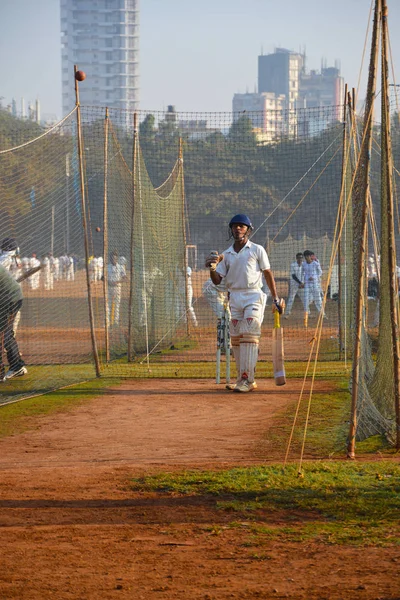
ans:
(333, 502)
(206, 370)
(327, 427)
(17, 417)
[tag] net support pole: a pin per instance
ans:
(84, 225)
(131, 279)
(363, 191)
(185, 259)
(67, 175)
(342, 216)
(387, 166)
(105, 239)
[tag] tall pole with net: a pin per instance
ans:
(131, 279)
(85, 225)
(105, 238)
(387, 369)
(360, 229)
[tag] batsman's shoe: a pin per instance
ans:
(245, 386)
(231, 386)
(15, 373)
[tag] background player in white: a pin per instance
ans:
(116, 275)
(312, 282)
(34, 280)
(55, 265)
(100, 265)
(70, 270)
(190, 296)
(47, 272)
(242, 267)
(296, 283)
(92, 269)
(216, 297)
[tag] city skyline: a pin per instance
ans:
(193, 57)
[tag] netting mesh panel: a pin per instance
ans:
(375, 400)
(288, 182)
(159, 307)
(41, 208)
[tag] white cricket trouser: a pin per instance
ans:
(34, 280)
(312, 291)
(189, 305)
(247, 314)
(114, 301)
(48, 279)
(293, 290)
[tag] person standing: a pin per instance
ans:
(116, 275)
(10, 260)
(296, 283)
(10, 305)
(216, 297)
(48, 278)
(312, 283)
(34, 280)
(241, 267)
(190, 296)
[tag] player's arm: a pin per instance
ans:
(270, 279)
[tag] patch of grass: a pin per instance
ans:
(335, 502)
(17, 417)
(206, 370)
(327, 426)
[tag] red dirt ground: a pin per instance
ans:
(70, 527)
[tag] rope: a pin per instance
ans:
(40, 136)
(296, 184)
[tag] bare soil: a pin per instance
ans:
(71, 527)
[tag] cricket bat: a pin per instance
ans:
(278, 358)
(28, 273)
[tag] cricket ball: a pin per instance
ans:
(98, 229)
(80, 75)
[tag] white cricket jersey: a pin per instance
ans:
(242, 271)
(312, 271)
(116, 273)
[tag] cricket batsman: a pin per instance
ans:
(241, 267)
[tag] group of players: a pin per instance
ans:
(238, 271)
(305, 282)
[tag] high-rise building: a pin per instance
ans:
(265, 112)
(321, 89)
(280, 73)
(102, 38)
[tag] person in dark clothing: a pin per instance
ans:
(10, 304)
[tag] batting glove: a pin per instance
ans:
(278, 305)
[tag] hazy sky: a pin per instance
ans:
(194, 54)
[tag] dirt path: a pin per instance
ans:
(71, 528)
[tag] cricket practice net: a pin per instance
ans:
(122, 209)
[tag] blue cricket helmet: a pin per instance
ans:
(242, 219)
